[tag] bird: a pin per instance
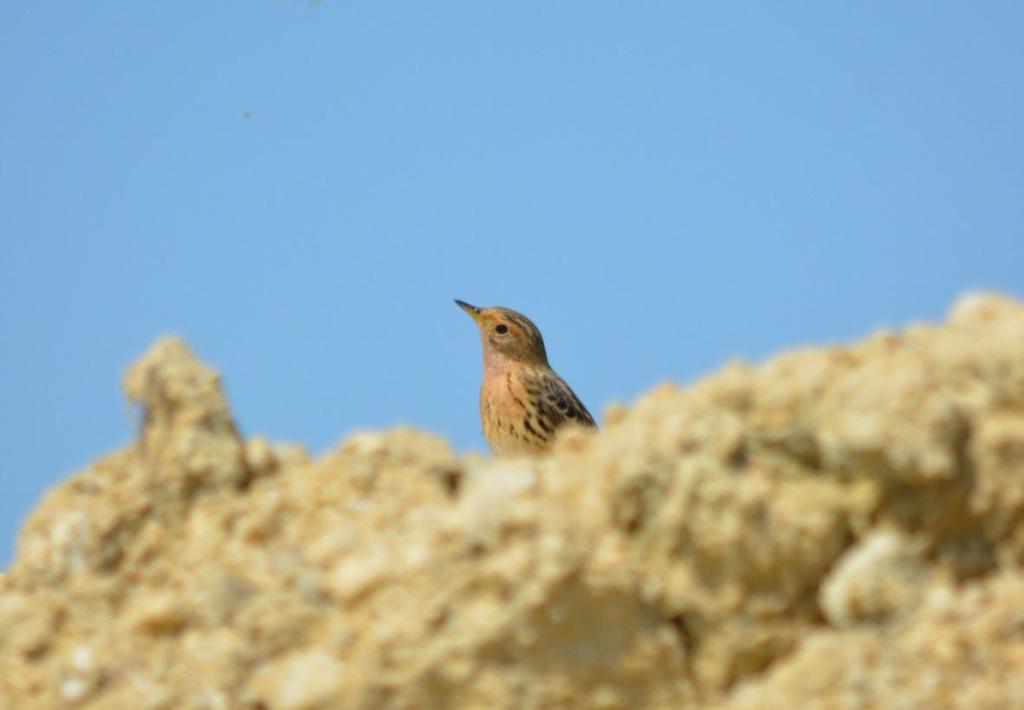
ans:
(523, 402)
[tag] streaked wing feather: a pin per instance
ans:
(563, 403)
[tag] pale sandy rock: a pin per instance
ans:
(961, 651)
(838, 527)
(158, 614)
(304, 681)
(883, 576)
(27, 625)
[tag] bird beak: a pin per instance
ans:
(473, 311)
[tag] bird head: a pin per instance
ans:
(506, 334)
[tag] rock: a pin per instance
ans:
(305, 681)
(879, 578)
(962, 650)
(838, 527)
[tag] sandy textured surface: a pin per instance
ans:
(837, 528)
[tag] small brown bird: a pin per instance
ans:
(522, 400)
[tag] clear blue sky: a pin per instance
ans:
(302, 189)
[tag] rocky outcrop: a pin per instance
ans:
(836, 528)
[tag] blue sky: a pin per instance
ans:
(301, 190)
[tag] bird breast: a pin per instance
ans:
(508, 415)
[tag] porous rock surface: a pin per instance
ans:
(837, 528)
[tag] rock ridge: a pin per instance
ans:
(838, 527)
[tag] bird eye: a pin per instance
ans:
(501, 329)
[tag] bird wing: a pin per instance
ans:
(559, 404)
